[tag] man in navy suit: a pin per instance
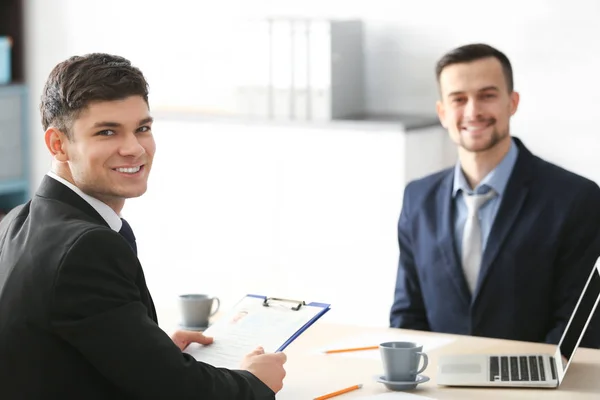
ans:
(500, 245)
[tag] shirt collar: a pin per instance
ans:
(497, 179)
(109, 215)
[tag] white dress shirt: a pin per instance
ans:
(110, 216)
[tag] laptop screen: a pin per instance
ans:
(581, 314)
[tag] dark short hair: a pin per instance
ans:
(473, 52)
(75, 83)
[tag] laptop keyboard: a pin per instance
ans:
(517, 369)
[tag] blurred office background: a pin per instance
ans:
(255, 191)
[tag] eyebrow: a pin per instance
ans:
(110, 124)
(484, 89)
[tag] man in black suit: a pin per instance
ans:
(76, 317)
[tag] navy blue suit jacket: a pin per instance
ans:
(542, 246)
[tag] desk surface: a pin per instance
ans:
(311, 373)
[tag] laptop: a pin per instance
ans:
(525, 370)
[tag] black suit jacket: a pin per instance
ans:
(76, 317)
(542, 246)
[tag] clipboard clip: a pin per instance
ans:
(299, 303)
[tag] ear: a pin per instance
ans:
(441, 112)
(514, 102)
(56, 142)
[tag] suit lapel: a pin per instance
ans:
(445, 238)
(508, 213)
(53, 189)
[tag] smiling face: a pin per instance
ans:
(476, 105)
(110, 150)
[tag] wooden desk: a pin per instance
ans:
(310, 374)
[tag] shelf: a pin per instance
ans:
(12, 23)
(12, 186)
(14, 120)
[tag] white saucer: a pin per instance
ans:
(193, 328)
(402, 385)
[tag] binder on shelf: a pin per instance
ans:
(313, 68)
(300, 65)
(271, 322)
(253, 76)
(320, 70)
(5, 60)
(282, 75)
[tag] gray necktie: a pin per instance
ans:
(472, 248)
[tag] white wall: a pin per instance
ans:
(291, 211)
(46, 36)
(552, 44)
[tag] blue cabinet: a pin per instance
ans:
(14, 159)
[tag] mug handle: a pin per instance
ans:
(425, 362)
(218, 306)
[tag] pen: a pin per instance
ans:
(330, 395)
(353, 349)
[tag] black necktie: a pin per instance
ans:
(127, 233)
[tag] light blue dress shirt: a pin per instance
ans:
(497, 179)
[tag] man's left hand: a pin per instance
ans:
(183, 338)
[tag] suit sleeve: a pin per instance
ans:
(408, 309)
(578, 252)
(97, 309)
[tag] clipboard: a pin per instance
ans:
(256, 320)
(296, 306)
